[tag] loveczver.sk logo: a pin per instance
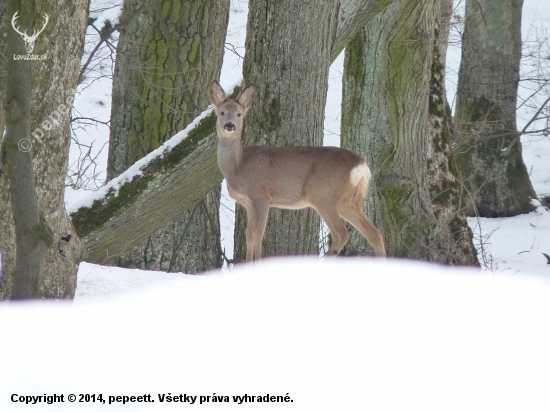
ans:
(29, 40)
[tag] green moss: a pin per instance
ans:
(395, 198)
(192, 56)
(247, 72)
(452, 166)
(272, 116)
(446, 194)
(481, 109)
(401, 224)
(457, 225)
(181, 151)
(161, 50)
(41, 233)
(518, 183)
(85, 220)
(175, 13)
(166, 8)
(354, 68)
(436, 98)
(386, 159)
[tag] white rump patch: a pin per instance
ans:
(359, 172)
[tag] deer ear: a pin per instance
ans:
(246, 96)
(217, 94)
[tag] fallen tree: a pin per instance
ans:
(165, 186)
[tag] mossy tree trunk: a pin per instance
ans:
(393, 114)
(41, 248)
(488, 151)
(168, 54)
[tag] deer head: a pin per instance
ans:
(230, 112)
(29, 40)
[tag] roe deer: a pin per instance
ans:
(333, 181)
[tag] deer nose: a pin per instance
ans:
(229, 126)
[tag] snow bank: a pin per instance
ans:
(350, 335)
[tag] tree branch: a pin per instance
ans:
(354, 14)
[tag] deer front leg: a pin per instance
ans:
(249, 234)
(261, 211)
(256, 217)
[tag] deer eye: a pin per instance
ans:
(222, 113)
(239, 115)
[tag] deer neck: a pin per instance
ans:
(230, 154)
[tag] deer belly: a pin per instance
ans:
(275, 197)
(281, 198)
(290, 203)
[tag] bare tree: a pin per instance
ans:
(41, 248)
(488, 148)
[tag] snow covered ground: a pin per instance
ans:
(346, 334)
(352, 335)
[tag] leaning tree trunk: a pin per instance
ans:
(168, 54)
(489, 151)
(284, 38)
(393, 114)
(41, 248)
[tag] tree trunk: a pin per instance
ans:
(488, 151)
(283, 39)
(41, 248)
(393, 115)
(167, 55)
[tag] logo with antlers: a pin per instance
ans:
(29, 40)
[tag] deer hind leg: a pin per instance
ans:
(338, 230)
(353, 213)
(257, 218)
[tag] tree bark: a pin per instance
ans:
(38, 239)
(488, 151)
(454, 242)
(168, 186)
(167, 55)
(32, 236)
(393, 114)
